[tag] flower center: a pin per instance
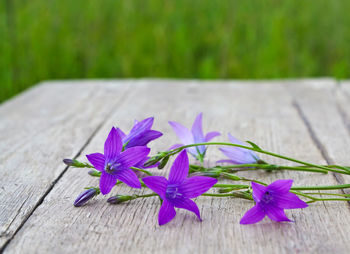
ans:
(111, 168)
(172, 191)
(267, 198)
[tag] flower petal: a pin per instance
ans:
(188, 204)
(253, 215)
(129, 177)
(289, 201)
(182, 132)
(156, 183)
(166, 213)
(197, 129)
(211, 135)
(195, 186)
(113, 145)
(258, 191)
(145, 124)
(198, 136)
(275, 213)
(107, 182)
(249, 155)
(239, 155)
(97, 160)
(280, 186)
(233, 140)
(143, 138)
(138, 128)
(179, 169)
(132, 156)
(121, 133)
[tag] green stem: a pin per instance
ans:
(177, 150)
(144, 196)
(222, 185)
(326, 193)
(142, 170)
(329, 187)
(232, 194)
(246, 167)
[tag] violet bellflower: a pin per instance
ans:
(271, 200)
(178, 190)
(238, 155)
(115, 165)
(140, 134)
(196, 135)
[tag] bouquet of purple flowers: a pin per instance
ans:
(125, 155)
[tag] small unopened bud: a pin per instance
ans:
(68, 162)
(77, 164)
(163, 163)
(119, 199)
(94, 173)
(231, 176)
(225, 190)
(85, 196)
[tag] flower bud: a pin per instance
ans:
(117, 199)
(68, 162)
(94, 173)
(231, 176)
(163, 163)
(225, 190)
(214, 174)
(85, 196)
(75, 163)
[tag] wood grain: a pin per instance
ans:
(263, 112)
(37, 129)
(326, 111)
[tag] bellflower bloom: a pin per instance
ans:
(194, 136)
(178, 190)
(238, 155)
(140, 134)
(115, 165)
(271, 200)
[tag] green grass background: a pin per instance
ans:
(207, 39)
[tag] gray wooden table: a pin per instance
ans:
(307, 119)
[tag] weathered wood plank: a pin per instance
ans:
(343, 102)
(260, 112)
(37, 129)
(326, 111)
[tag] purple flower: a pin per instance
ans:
(178, 190)
(115, 165)
(238, 155)
(194, 136)
(271, 200)
(140, 135)
(85, 196)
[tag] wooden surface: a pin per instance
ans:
(307, 119)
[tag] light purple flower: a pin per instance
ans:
(178, 190)
(140, 135)
(194, 136)
(271, 200)
(115, 164)
(238, 155)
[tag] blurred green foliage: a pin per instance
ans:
(66, 39)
